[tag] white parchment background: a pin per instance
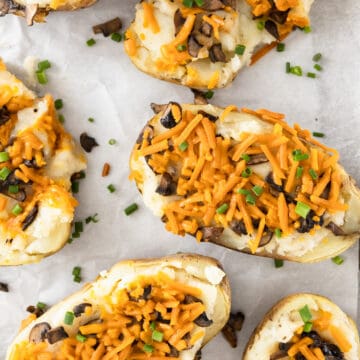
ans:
(100, 82)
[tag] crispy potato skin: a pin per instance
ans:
(279, 308)
(198, 261)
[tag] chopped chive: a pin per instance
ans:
(157, 336)
(61, 118)
(40, 305)
(188, 3)
(296, 70)
(313, 174)
(4, 156)
(183, 146)
(112, 142)
(287, 68)
(258, 190)
(305, 314)
(246, 173)
(13, 189)
(246, 157)
(116, 37)
(147, 347)
(240, 49)
(90, 119)
(298, 155)
(338, 260)
(243, 192)
(199, 3)
(75, 187)
(209, 94)
(111, 188)
(92, 218)
(77, 279)
(318, 134)
(131, 208)
(4, 173)
(41, 77)
(278, 263)
(307, 29)
(318, 67)
(58, 104)
(280, 47)
(82, 174)
(44, 65)
(80, 338)
(317, 57)
(69, 318)
(17, 210)
(299, 172)
(76, 271)
(153, 325)
(307, 327)
(79, 227)
(278, 233)
(75, 235)
(250, 199)
(302, 209)
(311, 75)
(261, 25)
(222, 209)
(181, 47)
(91, 42)
(70, 240)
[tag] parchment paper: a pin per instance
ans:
(100, 82)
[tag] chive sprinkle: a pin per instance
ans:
(4, 173)
(318, 134)
(153, 325)
(17, 210)
(77, 279)
(278, 233)
(90, 119)
(91, 42)
(317, 57)
(302, 209)
(183, 146)
(61, 118)
(41, 77)
(79, 226)
(305, 314)
(313, 174)
(244, 192)
(287, 68)
(69, 318)
(280, 47)
(296, 70)
(181, 47)
(130, 209)
(4, 156)
(80, 338)
(318, 67)
(338, 260)
(209, 94)
(199, 3)
(157, 336)
(58, 104)
(246, 157)
(278, 263)
(250, 199)
(261, 25)
(307, 29)
(40, 305)
(92, 218)
(116, 37)
(75, 187)
(112, 142)
(222, 209)
(44, 65)
(111, 188)
(299, 172)
(13, 189)
(240, 49)
(307, 327)
(311, 75)
(147, 347)
(246, 173)
(188, 3)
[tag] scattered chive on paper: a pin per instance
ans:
(278, 233)
(41, 77)
(111, 188)
(296, 70)
(278, 263)
(58, 104)
(311, 75)
(307, 29)
(338, 260)
(288, 67)
(318, 67)
(261, 25)
(92, 218)
(280, 47)
(61, 118)
(117, 37)
(318, 134)
(209, 94)
(80, 338)
(4, 156)
(305, 314)
(112, 142)
(90, 42)
(40, 305)
(44, 65)
(130, 209)
(181, 47)
(76, 271)
(90, 119)
(183, 146)
(75, 186)
(317, 57)
(17, 210)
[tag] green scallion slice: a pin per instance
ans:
(131, 208)
(91, 42)
(183, 146)
(278, 233)
(278, 263)
(257, 190)
(280, 47)
(41, 77)
(80, 338)
(58, 104)
(188, 3)
(77, 279)
(338, 260)
(261, 25)
(44, 65)
(246, 157)
(40, 305)
(61, 118)
(240, 49)
(318, 134)
(222, 209)
(311, 75)
(307, 327)
(90, 119)
(117, 37)
(250, 199)
(313, 174)
(112, 142)
(79, 226)
(4, 173)
(305, 314)
(4, 156)
(199, 3)
(92, 218)
(157, 336)
(69, 318)
(296, 70)
(302, 209)
(181, 47)
(111, 188)
(318, 67)
(147, 347)
(317, 57)
(299, 172)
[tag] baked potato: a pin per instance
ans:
(164, 308)
(245, 180)
(37, 159)
(38, 9)
(205, 47)
(304, 326)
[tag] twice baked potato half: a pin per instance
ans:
(36, 10)
(304, 326)
(164, 308)
(204, 44)
(245, 180)
(37, 159)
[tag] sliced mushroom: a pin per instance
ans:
(179, 21)
(238, 227)
(212, 118)
(336, 230)
(35, 310)
(4, 287)
(216, 53)
(213, 5)
(199, 97)
(87, 142)
(30, 217)
(206, 29)
(257, 159)
(30, 12)
(279, 16)
(109, 27)
(236, 320)
(265, 239)
(193, 46)
(171, 115)
(271, 27)
(212, 233)
(150, 131)
(279, 355)
(189, 299)
(203, 321)
(56, 334)
(80, 309)
(39, 332)
(147, 292)
(4, 112)
(230, 335)
(167, 185)
(156, 108)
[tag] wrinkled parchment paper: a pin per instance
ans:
(100, 82)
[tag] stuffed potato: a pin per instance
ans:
(159, 308)
(304, 326)
(246, 180)
(206, 46)
(37, 159)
